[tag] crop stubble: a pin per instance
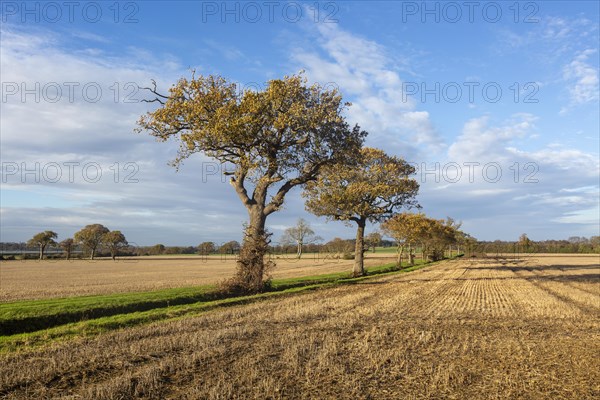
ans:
(529, 329)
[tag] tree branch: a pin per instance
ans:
(154, 91)
(237, 182)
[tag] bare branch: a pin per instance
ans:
(154, 91)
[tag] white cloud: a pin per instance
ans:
(162, 207)
(582, 78)
(488, 192)
(565, 159)
(536, 189)
(479, 141)
(551, 38)
(590, 216)
(35, 134)
(365, 73)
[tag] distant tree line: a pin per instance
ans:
(90, 241)
(336, 248)
(574, 244)
(204, 248)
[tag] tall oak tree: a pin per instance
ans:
(276, 139)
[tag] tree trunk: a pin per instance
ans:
(400, 250)
(359, 263)
(251, 269)
(41, 252)
(411, 256)
(92, 253)
(299, 250)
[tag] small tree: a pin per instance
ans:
(231, 247)
(67, 246)
(276, 139)
(114, 240)
(339, 247)
(406, 229)
(206, 248)
(439, 235)
(43, 240)
(525, 243)
(299, 235)
(373, 240)
(371, 191)
(91, 237)
(595, 244)
(157, 249)
(458, 234)
(433, 235)
(469, 243)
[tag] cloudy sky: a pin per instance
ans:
(496, 103)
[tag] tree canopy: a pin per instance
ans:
(524, 243)
(231, 247)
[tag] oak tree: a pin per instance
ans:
(206, 248)
(432, 235)
(43, 240)
(275, 139)
(299, 235)
(114, 240)
(231, 247)
(339, 247)
(67, 246)
(371, 191)
(407, 229)
(438, 236)
(90, 237)
(373, 240)
(524, 243)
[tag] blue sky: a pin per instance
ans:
(496, 103)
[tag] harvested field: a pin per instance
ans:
(34, 279)
(458, 329)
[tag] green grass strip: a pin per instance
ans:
(130, 309)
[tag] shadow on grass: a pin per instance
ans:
(39, 322)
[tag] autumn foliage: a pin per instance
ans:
(410, 230)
